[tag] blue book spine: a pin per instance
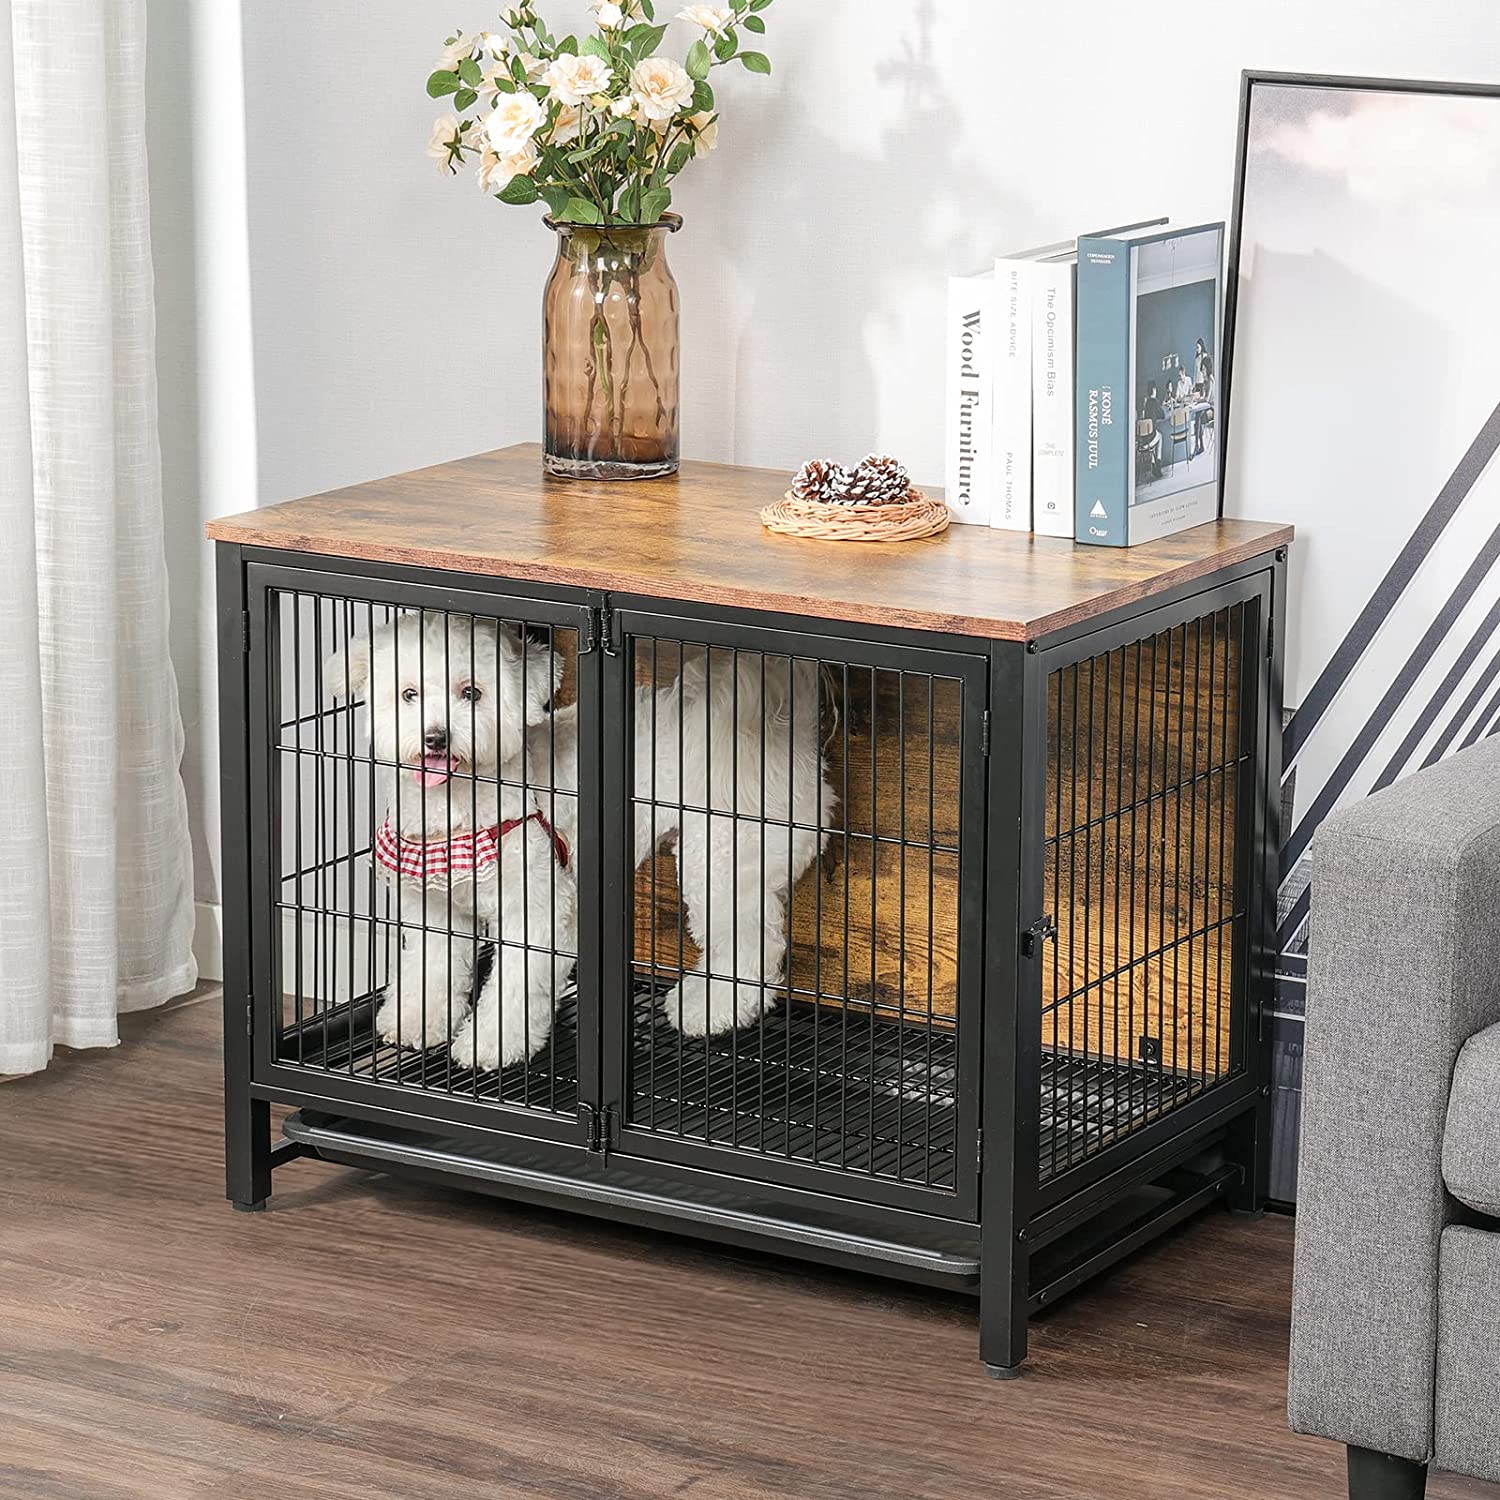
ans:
(1102, 494)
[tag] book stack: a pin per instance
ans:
(1082, 386)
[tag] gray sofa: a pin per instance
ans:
(1396, 1317)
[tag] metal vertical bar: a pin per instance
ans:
(874, 897)
(1012, 1019)
(901, 947)
(791, 864)
(297, 866)
(845, 997)
(247, 1121)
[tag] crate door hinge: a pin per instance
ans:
(984, 734)
(245, 632)
(1038, 933)
(250, 1016)
(598, 1128)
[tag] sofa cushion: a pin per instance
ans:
(1471, 1140)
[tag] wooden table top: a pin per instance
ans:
(698, 537)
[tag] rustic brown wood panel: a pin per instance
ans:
(697, 537)
(1143, 767)
(369, 1339)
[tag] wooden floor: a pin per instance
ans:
(369, 1339)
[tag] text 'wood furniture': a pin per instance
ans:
(968, 840)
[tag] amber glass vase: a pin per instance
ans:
(611, 355)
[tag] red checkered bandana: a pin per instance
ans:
(459, 856)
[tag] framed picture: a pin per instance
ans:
(1361, 394)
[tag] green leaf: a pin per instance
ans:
(470, 72)
(726, 46)
(756, 62)
(758, 5)
(568, 47)
(464, 98)
(519, 190)
(648, 10)
(654, 204)
(643, 39)
(557, 198)
(755, 24)
(679, 158)
(581, 211)
(703, 98)
(443, 82)
(596, 46)
(698, 61)
(630, 204)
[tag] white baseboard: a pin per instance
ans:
(208, 940)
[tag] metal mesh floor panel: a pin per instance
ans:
(810, 1084)
(1088, 1103)
(803, 1086)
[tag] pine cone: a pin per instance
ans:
(820, 479)
(879, 480)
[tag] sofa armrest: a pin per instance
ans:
(1404, 968)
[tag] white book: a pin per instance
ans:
(970, 408)
(1010, 509)
(1053, 394)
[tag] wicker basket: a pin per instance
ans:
(906, 520)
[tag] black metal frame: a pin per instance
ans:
(1003, 1232)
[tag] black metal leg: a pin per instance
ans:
(1379, 1476)
(1002, 1309)
(247, 1150)
(1247, 1146)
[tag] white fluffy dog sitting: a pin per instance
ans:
(482, 819)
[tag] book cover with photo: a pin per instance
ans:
(1149, 333)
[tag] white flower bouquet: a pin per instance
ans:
(598, 128)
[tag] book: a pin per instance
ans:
(1010, 509)
(1149, 321)
(970, 407)
(1052, 396)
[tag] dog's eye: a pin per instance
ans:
(469, 693)
(409, 695)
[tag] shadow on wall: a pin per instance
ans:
(800, 298)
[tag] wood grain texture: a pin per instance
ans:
(368, 1339)
(697, 537)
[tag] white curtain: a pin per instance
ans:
(96, 905)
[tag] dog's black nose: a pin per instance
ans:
(436, 740)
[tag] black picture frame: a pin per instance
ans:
(1249, 78)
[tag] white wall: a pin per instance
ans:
(195, 125)
(397, 314)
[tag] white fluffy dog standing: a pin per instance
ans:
(482, 818)
(475, 858)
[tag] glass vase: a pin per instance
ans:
(611, 353)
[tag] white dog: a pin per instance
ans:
(482, 819)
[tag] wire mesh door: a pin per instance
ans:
(425, 867)
(800, 856)
(1148, 830)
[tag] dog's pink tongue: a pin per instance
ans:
(436, 769)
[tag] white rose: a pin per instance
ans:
(455, 52)
(496, 170)
(513, 122)
(609, 15)
(714, 20)
(575, 79)
(569, 125)
(623, 107)
(446, 137)
(662, 87)
(706, 137)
